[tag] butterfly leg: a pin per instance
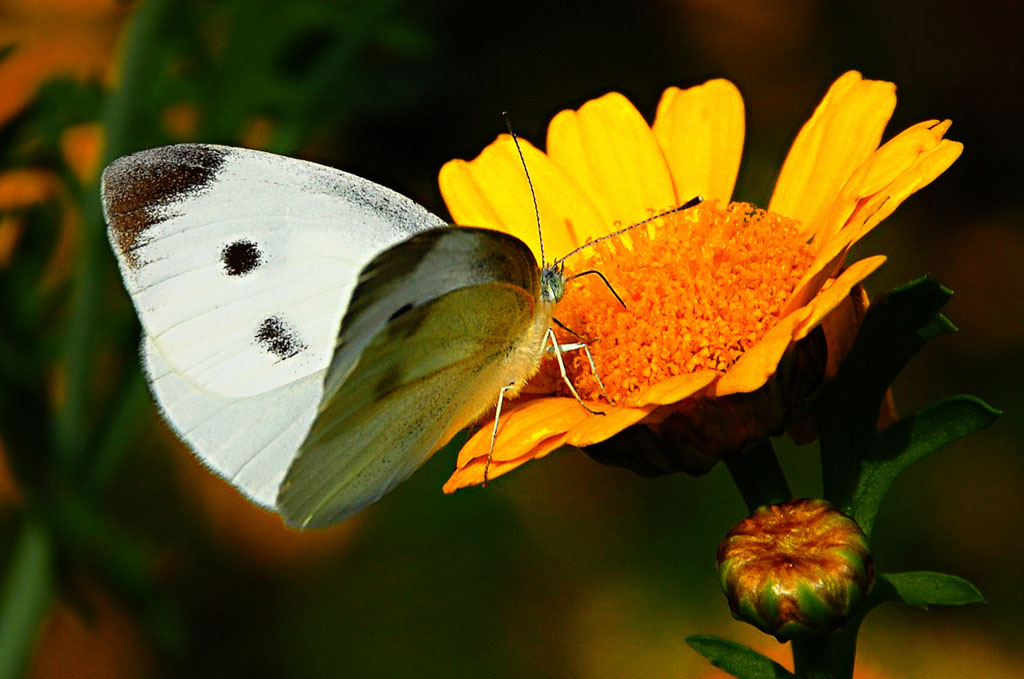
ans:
(557, 350)
(583, 345)
(494, 432)
(593, 369)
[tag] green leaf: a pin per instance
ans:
(893, 330)
(847, 407)
(28, 587)
(909, 440)
(923, 589)
(737, 660)
(859, 463)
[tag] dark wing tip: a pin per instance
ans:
(135, 186)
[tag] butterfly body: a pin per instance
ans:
(312, 336)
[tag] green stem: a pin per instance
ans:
(25, 597)
(829, 656)
(758, 476)
(760, 480)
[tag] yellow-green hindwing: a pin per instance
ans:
(400, 385)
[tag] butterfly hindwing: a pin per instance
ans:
(249, 441)
(431, 371)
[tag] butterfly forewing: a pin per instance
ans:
(240, 263)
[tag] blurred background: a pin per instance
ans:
(121, 557)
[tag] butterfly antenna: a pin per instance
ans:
(696, 200)
(533, 195)
(594, 272)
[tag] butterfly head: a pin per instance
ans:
(552, 282)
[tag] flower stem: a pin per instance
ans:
(829, 656)
(760, 480)
(758, 476)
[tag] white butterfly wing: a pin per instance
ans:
(241, 263)
(249, 441)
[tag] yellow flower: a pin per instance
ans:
(716, 295)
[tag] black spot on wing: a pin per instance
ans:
(240, 257)
(277, 337)
(136, 187)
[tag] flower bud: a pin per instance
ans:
(795, 569)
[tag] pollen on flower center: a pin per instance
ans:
(700, 288)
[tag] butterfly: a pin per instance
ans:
(313, 336)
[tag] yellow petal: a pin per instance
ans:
(900, 156)
(611, 152)
(534, 429)
(758, 363)
(896, 156)
(906, 163)
(700, 131)
(601, 427)
(929, 166)
(832, 296)
(473, 473)
(522, 427)
(527, 430)
(824, 267)
(492, 191)
(764, 361)
(841, 326)
(844, 130)
(887, 414)
(674, 389)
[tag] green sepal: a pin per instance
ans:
(923, 589)
(736, 659)
(859, 463)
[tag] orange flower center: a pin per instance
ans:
(701, 288)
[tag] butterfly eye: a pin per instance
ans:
(240, 257)
(277, 337)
